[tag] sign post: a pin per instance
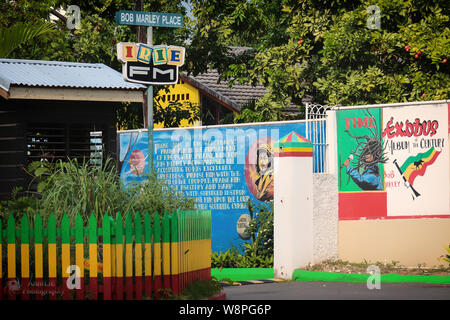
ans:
(148, 64)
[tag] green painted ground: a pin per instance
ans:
(245, 274)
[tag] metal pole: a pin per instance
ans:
(149, 93)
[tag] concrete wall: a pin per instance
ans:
(409, 241)
(325, 216)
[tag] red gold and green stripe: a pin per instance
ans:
(157, 281)
(293, 145)
(93, 283)
(138, 255)
(119, 257)
(65, 256)
(51, 229)
(107, 257)
(147, 255)
(416, 165)
(79, 255)
(11, 253)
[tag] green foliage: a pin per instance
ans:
(71, 187)
(446, 257)
(200, 289)
(12, 37)
(227, 259)
(175, 112)
(325, 50)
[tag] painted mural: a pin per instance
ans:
(393, 161)
(220, 167)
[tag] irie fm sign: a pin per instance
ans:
(147, 64)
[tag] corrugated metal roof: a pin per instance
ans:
(39, 73)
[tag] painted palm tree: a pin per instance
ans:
(12, 37)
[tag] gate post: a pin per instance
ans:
(293, 204)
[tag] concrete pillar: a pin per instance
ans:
(293, 205)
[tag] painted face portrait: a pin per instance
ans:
(259, 170)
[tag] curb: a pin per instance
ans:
(303, 275)
(247, 282)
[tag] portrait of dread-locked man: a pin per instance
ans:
(365, 170)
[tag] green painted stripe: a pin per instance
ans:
(24, 230)
(166, 228)
(119, 229)
(11, 230)
(292, 144)
(138, 227)
(92, 229)
(156, 228)
(174, 227)
(79, 231)
(38, 229)
(106, 229)
(413, 159)
(147, 228)
(51, 229)
(65, 230)
(128, 229)
(303, 275)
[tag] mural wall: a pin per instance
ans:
(222, 167)
(393, 161)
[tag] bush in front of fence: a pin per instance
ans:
(71, 187)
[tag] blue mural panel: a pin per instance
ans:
(221, 167)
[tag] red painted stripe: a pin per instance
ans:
(65, 290)
(148, 286)
(25, 286)
(107, 288)
(139, 288)
(1, 287)
(175, 284)
(157, 286)
(293, 154)
(52, 289)
(93, 288)
(38, 287)
(119, 288)
(79, 293)
(357, 205)
(129, 288)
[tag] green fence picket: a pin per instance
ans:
(119, 256)
(93, 258)
(148, 255)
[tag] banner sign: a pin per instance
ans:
(146, 64)
(221, 167)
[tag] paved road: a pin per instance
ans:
(337, 291)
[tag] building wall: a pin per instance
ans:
(182, 92)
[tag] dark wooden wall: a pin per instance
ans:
(62, 124)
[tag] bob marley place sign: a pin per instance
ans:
(146, 64)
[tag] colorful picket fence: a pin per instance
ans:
(121, 259)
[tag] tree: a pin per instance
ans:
(326, 50)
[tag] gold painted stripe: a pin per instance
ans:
(157, 259)
(148, 259)
(52, 260)
(92, 260)
(295, 149)
(79, 258)
(119, 257)
(11, 252)
(128, 260)
(198, 257)
(38, 259)
(166, 257)
(138, 259)
(25, 260)
(107, 261)
(65, 259)
(175, 258)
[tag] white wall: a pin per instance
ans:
(325, 215)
